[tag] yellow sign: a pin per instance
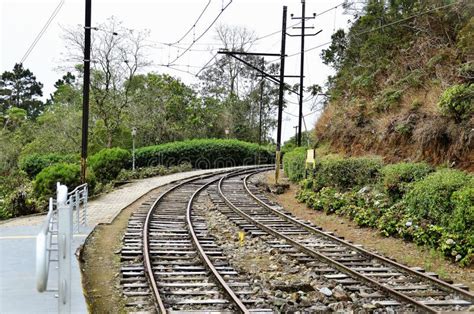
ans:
(310, 158)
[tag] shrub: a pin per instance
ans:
(396, 176)
(430, 198)
(388, 98)
(462, 219)
(294, 164)
(457, 102)
(34, 163)
(142, 173)
(346, 173)
(108, 163)
(67, 174)
(204, 154)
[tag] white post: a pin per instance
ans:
(64, 241)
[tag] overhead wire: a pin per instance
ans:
(203, 33)
(42, 31)
(194, 24)
(375, 29)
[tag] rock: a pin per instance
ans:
(279, 301)
(326, 291)
(318, 309)
(369, 306)
(338, 306)
(316, 296)
(471, 308)
(364, 190)
(340, 294)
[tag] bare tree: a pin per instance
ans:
(117, 55)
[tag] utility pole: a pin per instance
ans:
(303, 28)
(261, 107)
(296, 132)
(280, 95)
(85, 90)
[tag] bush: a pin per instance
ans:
(142, 173)
(396, 176)
(430, 198)
(204, 154)
(34, 163)
(67, 174)
(294, 164)
(458, 102)
(462, 219)
(346, 173)
(108, 163)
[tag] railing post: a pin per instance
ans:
(64, 241)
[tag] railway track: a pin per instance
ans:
(383, 281)
(171, 263)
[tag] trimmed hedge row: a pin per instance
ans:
(294, 164)
(34, 163)
(108, 163)
(204, 154)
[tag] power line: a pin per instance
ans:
(376, 28)
(43, 30)
(203, 33)
(194, 24)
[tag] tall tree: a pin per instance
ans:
(117, 55)
(20, 89)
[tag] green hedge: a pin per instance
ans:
(430, 198)
(396, 177)
(33, 164)
(108, 163)
(346, 173)
(204, 154)
(67, 174)
(294, 164)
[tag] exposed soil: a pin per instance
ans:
(100, 263)
(404, 252)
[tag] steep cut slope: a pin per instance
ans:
(404, 87)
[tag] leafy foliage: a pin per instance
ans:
(67, 174)
(20, 89)
(396, 176)
(204, 154)
(34, 163)
(458, 102)
(346, 173)
(430, 198)
(108, 163)
(294, 164)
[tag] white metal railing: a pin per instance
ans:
(65, 216)
(78, 200)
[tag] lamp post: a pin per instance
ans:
(134, 133)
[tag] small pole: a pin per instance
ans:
(296, 133)
(85, 90)
(64, 252)
(134, 133)
(280, 95)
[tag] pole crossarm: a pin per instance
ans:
(268, 54)
(296, 35)
(263, 73)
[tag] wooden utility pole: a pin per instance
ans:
(85, 90)
(280, 96)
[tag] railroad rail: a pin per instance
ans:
(183, 268)
(389, 283)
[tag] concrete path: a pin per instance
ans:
(17, 249)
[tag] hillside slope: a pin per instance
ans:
(404, 87)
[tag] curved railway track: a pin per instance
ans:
(389, 283)
(183, 266)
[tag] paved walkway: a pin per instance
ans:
(17, 249)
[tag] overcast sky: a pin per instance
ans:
(21, 20)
